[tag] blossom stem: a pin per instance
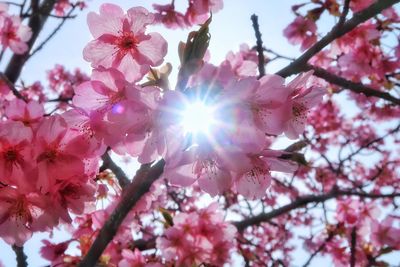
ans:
(20, 256)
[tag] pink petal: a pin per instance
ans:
(153, 49)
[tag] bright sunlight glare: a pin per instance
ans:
(197, 118)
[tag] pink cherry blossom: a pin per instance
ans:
(253, 180)
(4, 89)
(121, 42)
(243, 63)
(384, 233)
(301, 31)
(303, 96)
(264, 100)
(59, 153)
(348, 211)
(13, 34)
(15, 153)
(205, 6)
(27, 113)
(358, 5)
(73, 195)
(135, 259)
(63, 82)
(198, 237)
(167, 15)
(54, 252)
(21, 214)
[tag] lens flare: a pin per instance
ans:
(197, 118)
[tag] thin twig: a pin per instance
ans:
(260, 50)
(11, 3)
(60, 99)
(319, 249)
(54, 32)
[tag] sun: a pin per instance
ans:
(197, 118)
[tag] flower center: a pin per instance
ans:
(298, 110)
(10, 35)
(10, 155)
(49, 155)
(127, 41)
(21, 212)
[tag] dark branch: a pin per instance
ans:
(142, 244)
(302, 201)
(60, 99)
(353, 247)
(358, 88)
(140, 185)
(20, 256)
(345, 11)
(337, 31)
(260, 50)
(108, 163)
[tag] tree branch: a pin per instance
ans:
(108, 163)
(36, 23)
(345, 11)
(358, 88)
(11, 86)
(20, 256)
(302, 201)
(337, 31)
(140, 185)
(260, 50)
(353, 247)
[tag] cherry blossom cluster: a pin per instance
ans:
(198, 237)
(62, 82)
(13, 34)
(146, 122)
(197, 12)
(346, 193)
(121, 251)
(42, 183)
(62, 6)
(373, 236)
(360, 54)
